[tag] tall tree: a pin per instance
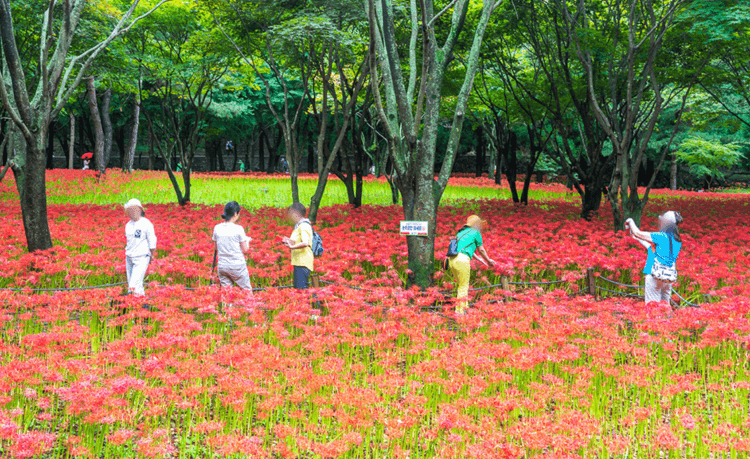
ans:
(127, 165)
(411, 97)
(633, 33)
(32, 110)
(255, 28)
(342, 64)
(96, 125)
(539, 72)
(725, 24)
(183, 65)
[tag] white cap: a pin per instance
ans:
(669, 217)
(133, 202)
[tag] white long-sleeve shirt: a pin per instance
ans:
(141, 238)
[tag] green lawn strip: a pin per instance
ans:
(257, 192)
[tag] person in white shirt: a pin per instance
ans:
(141, 246)
(231, 246)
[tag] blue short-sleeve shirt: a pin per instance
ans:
(663, 253)
(649, 260)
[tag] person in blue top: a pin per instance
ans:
(665, 245)
(469, 243)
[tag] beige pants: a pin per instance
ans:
(657, 290)
(229, 275)
(461, 269)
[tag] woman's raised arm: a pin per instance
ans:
(642, 235)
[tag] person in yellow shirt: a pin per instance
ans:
(300, 245)
(470, 244)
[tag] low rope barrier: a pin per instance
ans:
(62, 289)
(347, 286)
(621, 285)
(265, 289)
(538, 283)
(640, 287)
(259, 289)
(591, 277)
(479, 289)
(686, 301)
(631, 295)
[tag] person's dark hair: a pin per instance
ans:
(299, 208)
(230, 210)
(673, 231)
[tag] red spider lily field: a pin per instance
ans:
(363, 368)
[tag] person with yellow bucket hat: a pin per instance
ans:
(468, 243)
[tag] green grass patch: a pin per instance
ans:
(252, 192)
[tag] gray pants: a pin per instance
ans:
(657, 290)
(229, 275)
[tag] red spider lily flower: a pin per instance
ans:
(31, 444)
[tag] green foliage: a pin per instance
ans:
(707, 157)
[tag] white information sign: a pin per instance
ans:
(414, 228)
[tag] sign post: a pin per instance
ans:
(414, 228)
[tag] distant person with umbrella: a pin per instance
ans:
(86, 157)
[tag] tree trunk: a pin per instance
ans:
(211, 154)
(512, 167)
(96, 124)
(262, 150)
(673, 173)
(325, 164)
(119, 138)
(51, 145)
(133, 139)
(248, 147)
(395, 192)
(479, 151)
(535, 152)
(492, 164)
(591, 201)
(236, 158)
(359, 166)
(310, 157)
(293, 178)
(107, 126)
(86, 134)
(254, 148)
(419, 205)
(32, 189)
(493, 145)
(220, 156)
(527, 183)
(151, 141)
(273, 151)
(71, 146)
(186, 181)
(5, 128)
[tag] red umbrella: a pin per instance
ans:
(88, 155)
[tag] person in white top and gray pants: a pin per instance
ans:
(231, 246)
(141, 246)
